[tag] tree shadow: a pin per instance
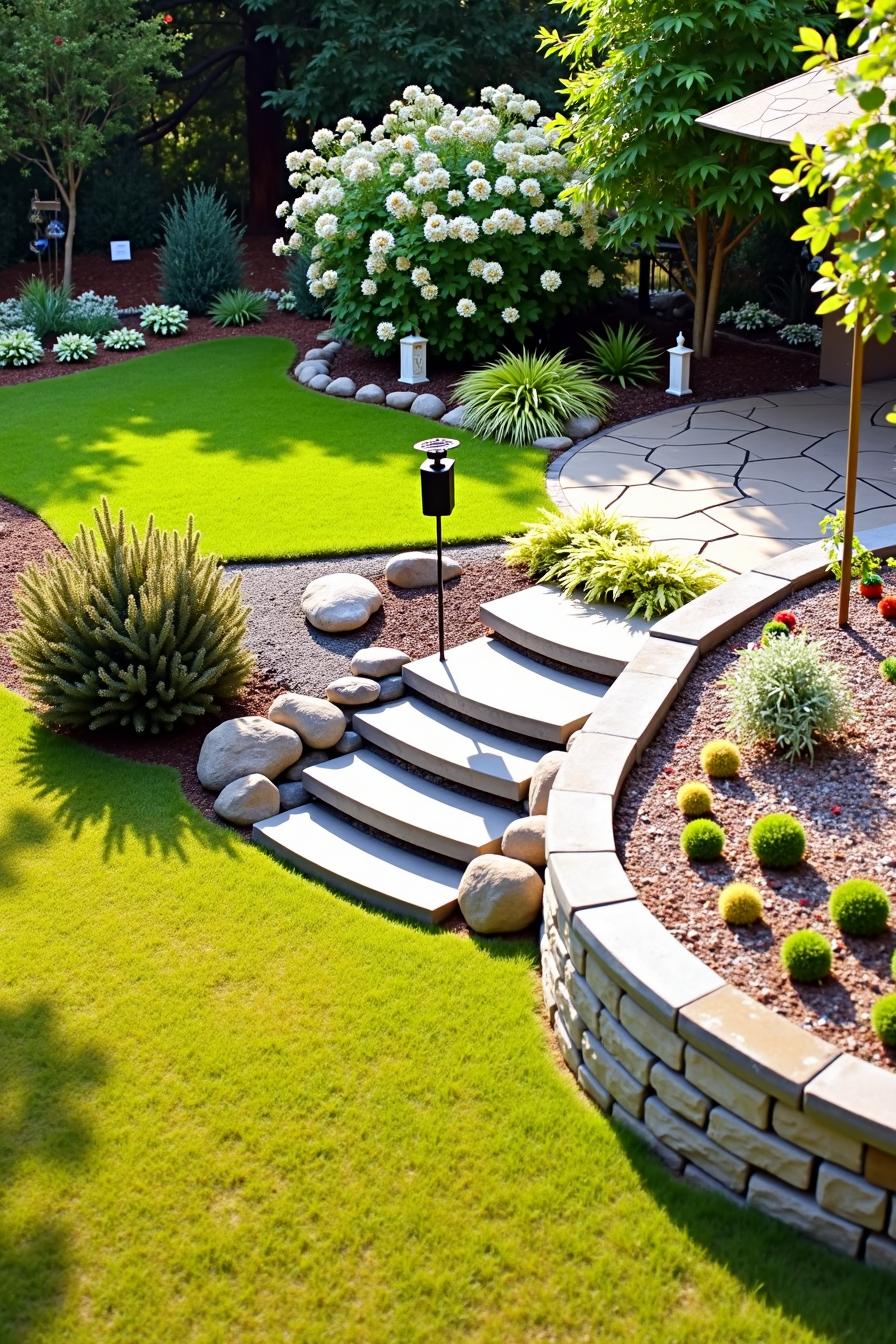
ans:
(42, 1080)
(96, 790)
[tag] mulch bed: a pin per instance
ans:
(846, 800)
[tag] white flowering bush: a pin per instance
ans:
(73, 346)
(750, 317)
(19, 349)
(164, 319)
(124, 338)
(12, 318)
(446, 221)
(801, 333)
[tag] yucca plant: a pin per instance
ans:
(649, 582)
(140, 632)
(544, 543)
(624, 356)
(237, 307)
(526, 396)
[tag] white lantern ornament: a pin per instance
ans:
(413, 360)
(679, 368)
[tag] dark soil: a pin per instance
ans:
(846, 800)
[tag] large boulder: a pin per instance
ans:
(353, 691)
(378, 661)
(317, 722)
(401, 401)
(248, 799)
(420, 569)
(542, 781)
(247, 746)
(524, 840)
(499, 895)
(337, 602)
(428, 405)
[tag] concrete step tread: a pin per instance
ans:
(487, 681)
(328, 848)
(418, 732)
(592, 636)
(382, 794)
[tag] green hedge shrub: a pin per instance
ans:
(201, 254)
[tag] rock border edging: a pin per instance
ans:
(729, 1094)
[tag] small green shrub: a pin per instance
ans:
(123, 630)
(19, 349)
(125, 338)
(46, 308)
(72, 346)
(646, 580)
(739, 903)
(860, 906)
(720, 758)
(93, 314)
(286, 302)
(237, 308)
(518, 398)
(163, 319)
(694, 799)
(702, 840)
(883, 1019)
(807, 956)
(893, 965)
(624, 356)
(778, 840)
(201, 254)
(774, 630)
(787, 693)
(887, 669)
(543, 544)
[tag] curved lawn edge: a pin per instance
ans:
(728, 1093)
(270, 469)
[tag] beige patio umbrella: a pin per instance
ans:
(810, 105)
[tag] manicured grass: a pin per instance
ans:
(268, 468)
(234, 1107)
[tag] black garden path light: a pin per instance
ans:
(437, 494)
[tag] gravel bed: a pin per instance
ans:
(846, 800)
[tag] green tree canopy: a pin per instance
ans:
(75, 74)
(640, 76)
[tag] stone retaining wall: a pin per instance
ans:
(729, 1094)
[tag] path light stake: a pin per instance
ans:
(852, 470)
(679, 368)
(437, 490)
(413, 360)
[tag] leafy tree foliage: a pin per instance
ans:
(74, 74)
(640, 76)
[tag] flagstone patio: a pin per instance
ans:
(737, 481)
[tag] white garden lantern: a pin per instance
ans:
(679, 368)
(413, 360)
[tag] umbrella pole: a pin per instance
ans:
(852, 469)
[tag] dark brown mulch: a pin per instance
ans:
(846, 800)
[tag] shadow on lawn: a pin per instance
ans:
(41, 1080)
(838, 1299)
(98, 790)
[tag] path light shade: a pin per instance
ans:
(413, 360)
(437, 495)
(679, 368)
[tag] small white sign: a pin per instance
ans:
(120, 251)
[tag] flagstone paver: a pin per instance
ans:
(737, 481)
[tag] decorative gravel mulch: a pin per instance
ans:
(846, 800)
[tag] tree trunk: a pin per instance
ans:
(712, 300)
(265, 137)
(71, 203)
(701, 267)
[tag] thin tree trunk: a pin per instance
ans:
(71, 202)
(719, 256)
(701, 266)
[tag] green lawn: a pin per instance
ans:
(235, 1107)
(268, 468)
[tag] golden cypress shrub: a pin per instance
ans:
(130, 631)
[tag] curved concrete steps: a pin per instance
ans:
(420, 734)
(487, 681)
(593, 637)
(382, 794)
(326, 847)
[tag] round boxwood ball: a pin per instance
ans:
(694, 799)
(883, 1018)
(720, 759)
(806, 955)
(778, 840)
(887, 669)
(860, 906)
(702, 840)
(739, 903)
(773, 630)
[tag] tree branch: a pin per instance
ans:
(152, 134)
(739, 237)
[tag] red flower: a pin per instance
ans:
(836, 810)
(887, 608)
(804, 900)
(786, 618)
(58, 41)
(167, 18)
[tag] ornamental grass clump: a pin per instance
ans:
(702, 840)
(139, 632)
(778, 840)
(789, 694)
(448, 221)
(518, 398)
(859, 906)
(807, 956)
(543, 544)
(201, 253)
(624, 356)
(237, 308)
(647, 581)
(883, 1019)
(694, 799)
(740, 903)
